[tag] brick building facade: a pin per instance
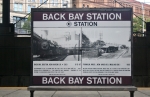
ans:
(137, 6)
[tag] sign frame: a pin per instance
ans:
(79, 10)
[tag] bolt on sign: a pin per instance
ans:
(81, 46)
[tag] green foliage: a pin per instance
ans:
(138, 24)
(27, 24)
(98, 44)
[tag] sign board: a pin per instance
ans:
(82, 46)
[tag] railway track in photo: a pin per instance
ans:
(52, 58)
(58, 58)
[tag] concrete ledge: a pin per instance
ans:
(82, 88)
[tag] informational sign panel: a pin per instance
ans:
(82, 46)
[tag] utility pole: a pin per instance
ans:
(101, 36)
(143, 16)
(79, 49)
(6, 12)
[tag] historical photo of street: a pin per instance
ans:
(106, 43)
(56, 44)
(74, 44)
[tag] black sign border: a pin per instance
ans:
(80, 10)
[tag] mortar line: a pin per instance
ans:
(53, 93)
(99, 93)
(11, 92)
(143, 93)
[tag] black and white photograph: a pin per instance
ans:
(106, 43)
(64, 44)
(82, 45)
(56, 44)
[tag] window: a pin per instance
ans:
(95, 0)
(83, 6)
(114, 3)
(74, 5)
(127, 5)
(42, 1)
(29, 8)
(87, 6)
(55, 2)
(110, 3)
(101, 1)
(52, 2)
(140, 10)
(145, 12)
(1, 7)
(63, 1)
(20, 23)
(45, 1)
(31, 0)
(136, 9)
(18, 7)
(0, 19)
(22, 27)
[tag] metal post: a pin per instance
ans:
(6, 12)
(79, 49)
(67, 5)
(131, 93)
(143, 16)
(31, 93)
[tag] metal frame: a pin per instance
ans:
(131, 45)
(79, 10)
(131, 89)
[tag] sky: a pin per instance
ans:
(109, 35)
(146, 1)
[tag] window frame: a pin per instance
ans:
(18, 7)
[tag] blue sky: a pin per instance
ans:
(146, 1)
